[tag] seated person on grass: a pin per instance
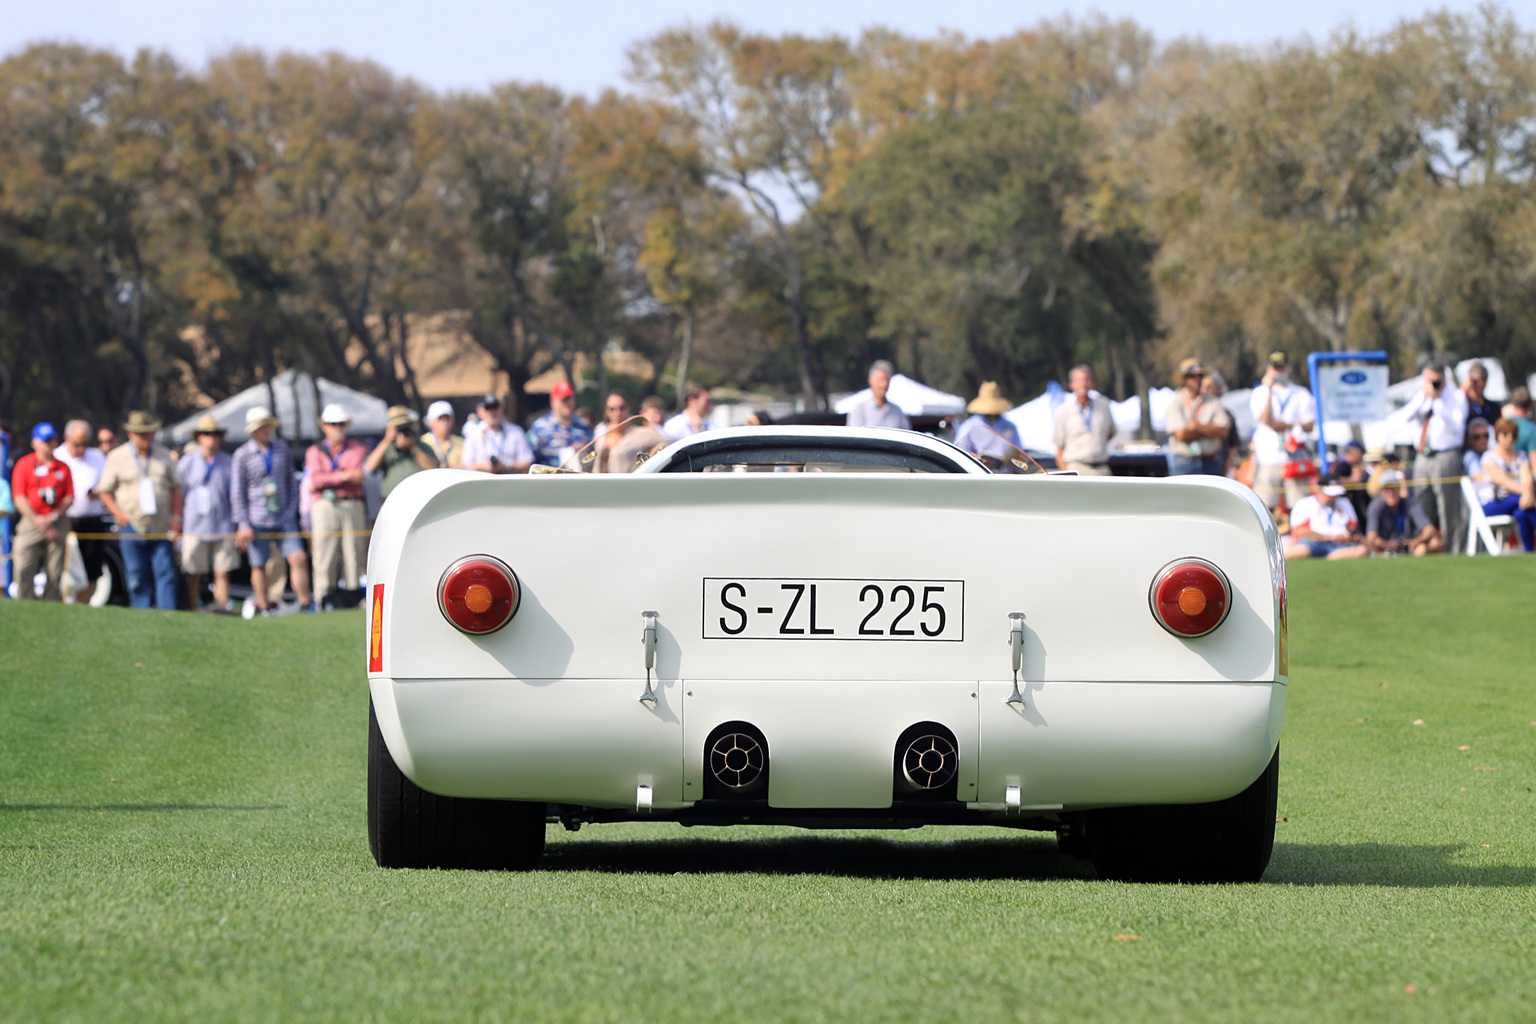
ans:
(1324, 525)
(1395, 524)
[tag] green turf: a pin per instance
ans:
(181, 825)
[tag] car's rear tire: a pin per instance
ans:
(1226, 841)
(411, 828)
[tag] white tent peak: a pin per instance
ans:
(295, 398)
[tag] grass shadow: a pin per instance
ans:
(811, 855)
(1348, 864)
(140, 808)
(1396, 865)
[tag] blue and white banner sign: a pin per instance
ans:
(1354, 394)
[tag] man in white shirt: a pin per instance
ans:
(1083, 427)
(1438, 417)
(1283, 414)
(1324, 524)
(498, 446)
(875, 411)
(694, 419)
(87, 515)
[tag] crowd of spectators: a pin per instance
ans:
(213, 507)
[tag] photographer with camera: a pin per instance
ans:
(1283, 414)
(1439, 415)
(498, 446)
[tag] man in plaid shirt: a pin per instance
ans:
(264, 499)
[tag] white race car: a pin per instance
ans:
(832, 628)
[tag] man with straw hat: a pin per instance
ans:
(208, 534)
(986, 434)
(141, 490)
(264, 501)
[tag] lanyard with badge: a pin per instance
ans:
(148, 505)
(329, 494)
(269, 488)
(203, 496)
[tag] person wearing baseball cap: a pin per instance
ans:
(446, 447)
(208, 532)
(1197, 426)
(1323, 524)
(1396, 524)
(1284, 414)
(496, 446)
(43, 489)
(333, 469)
(559, 434)
(398, 455)
(142, 491)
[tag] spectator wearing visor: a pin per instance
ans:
(1395, 524)
(264, 500)
(446, 447)
(1323, 524)
(1197, 426)
(398, 453)
(42, 489)
(140, 488)
(1083, 427)
(497, 446)
(208, 531)
(334, 469)
(559, 434)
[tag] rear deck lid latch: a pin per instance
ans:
(1016, 640)
(648, 637)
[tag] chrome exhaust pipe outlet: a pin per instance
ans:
(927, 763)
(736, 764)
(930, 762)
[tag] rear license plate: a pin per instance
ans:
(833, 609)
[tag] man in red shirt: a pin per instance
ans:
(334, 470)
(43, 489)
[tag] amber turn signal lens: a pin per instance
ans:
(1190, 597)
(1191, 601)
(478, 594)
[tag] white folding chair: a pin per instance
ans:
(1494, 530)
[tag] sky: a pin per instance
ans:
(579, 46)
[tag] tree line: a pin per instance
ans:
(771, 212)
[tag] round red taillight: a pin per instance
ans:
(478, 594)
(1190, 597)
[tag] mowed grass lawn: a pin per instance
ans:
(182, 837)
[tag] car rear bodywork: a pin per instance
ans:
(1107, 707)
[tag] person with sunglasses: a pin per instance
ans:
(1438, 417)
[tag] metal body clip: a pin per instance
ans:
(648, 637)
(1016, 640)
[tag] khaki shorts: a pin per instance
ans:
(198, 556)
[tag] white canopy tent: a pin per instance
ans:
(910, 396)
(296, 399)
